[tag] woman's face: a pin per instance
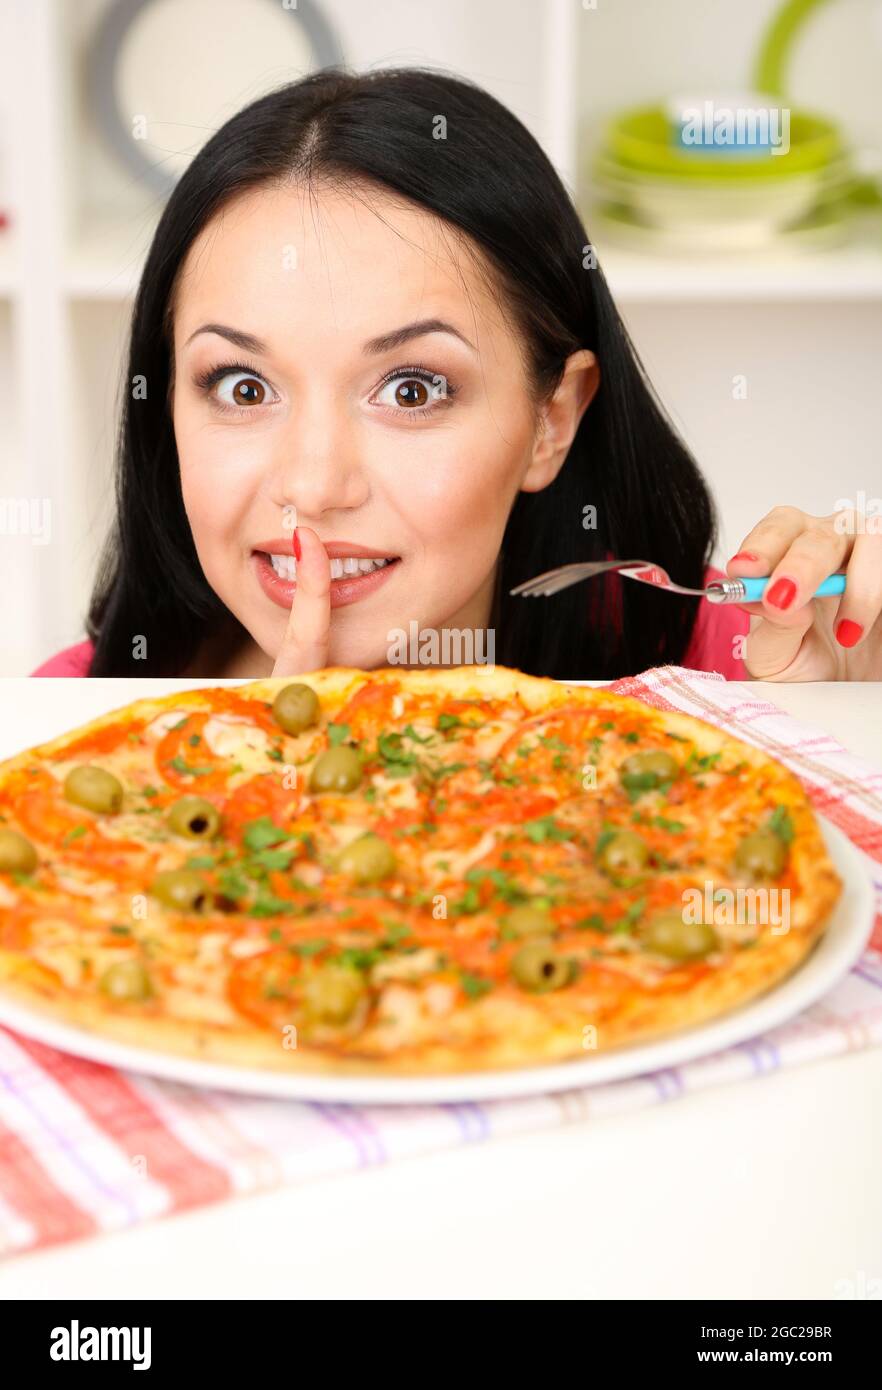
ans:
(383, 402)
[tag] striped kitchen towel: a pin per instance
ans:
(86, 1149)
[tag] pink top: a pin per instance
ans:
(714, 645)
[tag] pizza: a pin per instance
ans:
(401, 872)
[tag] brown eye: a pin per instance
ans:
(240, 388)
(412, 392)
(249, 392)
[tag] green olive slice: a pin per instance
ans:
(367, 859)
(644, 771)
(126, 980)
(17, 855)
(761, 855)
(184, 890)
(336, 770)
(194, 818)
(333, 994)
(94, 788)
(295, 708)
(539, 967)
(527, 919)
(668, 935)
(624, 855)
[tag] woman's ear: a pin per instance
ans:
(559, 419)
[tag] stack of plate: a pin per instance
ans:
(657, 190)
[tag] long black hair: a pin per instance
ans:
(490, 179)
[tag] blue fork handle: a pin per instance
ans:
(755, 588)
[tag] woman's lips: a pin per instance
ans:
(348, 589)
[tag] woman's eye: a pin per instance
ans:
(410, 392)
(238, 389)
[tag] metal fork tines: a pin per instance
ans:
(552, 581)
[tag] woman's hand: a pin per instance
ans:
(305, 644)
(793, 637)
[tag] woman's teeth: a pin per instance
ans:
(285, 566)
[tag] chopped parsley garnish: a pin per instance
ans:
(694, 763)
(273, 858)
(448, 721)
(410, 732)
(268, 905)
(630, 918)
(337, 733)
(399, 761)
(310, 948)
(505, 885)
(186, 769)
(781, 824)
(469, 902)
(545, 829)
(263, 833)
(474, 986)
(674, 827)
(594, 922)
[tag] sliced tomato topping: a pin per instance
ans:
(369, 710)
(467, 795)
(104, 740)
(184, 759)
(554, 750)
(266, 987)
(264, 795)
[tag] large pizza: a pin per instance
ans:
(399, 872)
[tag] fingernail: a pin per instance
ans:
(743, 555)
(848, 632)
(295, 541)
(782, 593)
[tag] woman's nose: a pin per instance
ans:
(318, 466)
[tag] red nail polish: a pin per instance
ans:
(848, 632)
(295, 542)
(782, 593)
(743, 555)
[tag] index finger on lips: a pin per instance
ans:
(305, 644)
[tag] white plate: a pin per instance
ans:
(835, 953)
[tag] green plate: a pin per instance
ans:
(642, 139)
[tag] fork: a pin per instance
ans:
(646, 572)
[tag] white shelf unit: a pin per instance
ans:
(69, 264)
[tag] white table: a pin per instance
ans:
(765, 1189)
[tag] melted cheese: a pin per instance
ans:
(231, 737)
(160, 726)
(458, 864)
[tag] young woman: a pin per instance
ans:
(369, 329)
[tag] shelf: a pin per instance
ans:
(849, 272)
(106, 263)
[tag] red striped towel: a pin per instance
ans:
(86, 1149)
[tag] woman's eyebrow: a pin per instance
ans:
(385, 343)
(246, 341)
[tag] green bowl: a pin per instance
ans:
(643, 139)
